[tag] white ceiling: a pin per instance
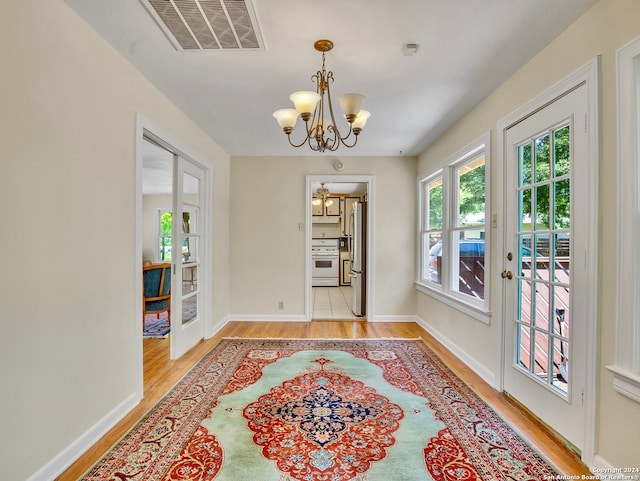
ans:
(466, 49)
(340, 187)
(157, 170)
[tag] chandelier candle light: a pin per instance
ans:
(323, 133)
(323, 193)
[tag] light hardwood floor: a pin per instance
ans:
(160, 374)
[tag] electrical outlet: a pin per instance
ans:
(280, 305)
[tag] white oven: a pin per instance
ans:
(325, 262)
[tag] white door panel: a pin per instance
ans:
(187, 326)
(545, 275)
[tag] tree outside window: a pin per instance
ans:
(166, 225)
(165, 233)
(454, 241)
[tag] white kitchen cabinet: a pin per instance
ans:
(317, 210)
(322, 209)
(333, 209)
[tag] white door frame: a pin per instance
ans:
(145, 127)
(589, 75)
(365, 179)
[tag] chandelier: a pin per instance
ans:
(322, 132)
(322, 194)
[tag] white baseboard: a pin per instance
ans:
(76, 449)
(488, 376)
(266, 318)
(394, 319)
(599, 462)
(299, 318)
(211, 331)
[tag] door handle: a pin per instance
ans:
(506, 274)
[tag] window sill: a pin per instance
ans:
(455, 302)
(626, 382)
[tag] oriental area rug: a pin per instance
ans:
(156, 327)
(321, 410)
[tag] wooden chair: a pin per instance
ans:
(156, 290)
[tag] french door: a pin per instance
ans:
(545, 276)
(187, 326)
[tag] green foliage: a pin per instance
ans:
(165, 237)
(548, 166)
(435, 207)
(472, 193)
(471, 197)
(166, 224)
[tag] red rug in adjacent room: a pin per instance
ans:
(321, 410)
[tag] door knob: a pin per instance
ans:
(506, 274)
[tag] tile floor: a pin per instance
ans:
(332, 303)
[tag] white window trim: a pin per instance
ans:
(626, 369)
(478, 310)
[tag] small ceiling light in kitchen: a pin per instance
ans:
(321, 196)
(322, 132)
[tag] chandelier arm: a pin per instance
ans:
(318, 127)
(295, 145)
(315, 148)
(305, 140)
(336, 131)
(332, 142)
(337, 137)
(355, 141)
(312, 134)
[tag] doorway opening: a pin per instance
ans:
(172, 227)
(338, 247)
(157, 222)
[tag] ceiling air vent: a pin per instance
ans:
(207, 24)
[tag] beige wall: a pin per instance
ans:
(268, 203)
(67, 198)
(609, 25)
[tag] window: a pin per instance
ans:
(626, 369)
(454, 242)
(165, 226)
(164, 231)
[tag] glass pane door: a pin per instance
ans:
(187, 256)
(544, 313)
(546, 221)
(190, 251)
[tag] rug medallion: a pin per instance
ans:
(321, 410)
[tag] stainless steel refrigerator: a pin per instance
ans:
(358, 256)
